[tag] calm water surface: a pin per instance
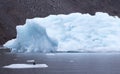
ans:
(64, 63)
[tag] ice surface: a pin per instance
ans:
(31, 38)
(31, 61)
(23, 66)
(50, 54)
(73, 32)
(72, 61)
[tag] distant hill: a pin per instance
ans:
(15, 12)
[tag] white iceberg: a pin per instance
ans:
(24, 66)
(31, 37)
(73, 32)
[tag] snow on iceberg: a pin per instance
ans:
(73, 32)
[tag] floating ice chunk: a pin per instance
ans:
(50, 54)
(23, 66)
(71, 61)
(31, 61)
(73, 32)
(31, 37)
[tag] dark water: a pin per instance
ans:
(64, 63)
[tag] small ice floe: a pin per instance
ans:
(50, 54)
(30, 60)
(24, 66)
(71, 61)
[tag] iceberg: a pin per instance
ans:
(72, 32)
(31, 37)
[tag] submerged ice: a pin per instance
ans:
(73, 32)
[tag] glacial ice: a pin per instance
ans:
(31, 37)
(72, 32)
